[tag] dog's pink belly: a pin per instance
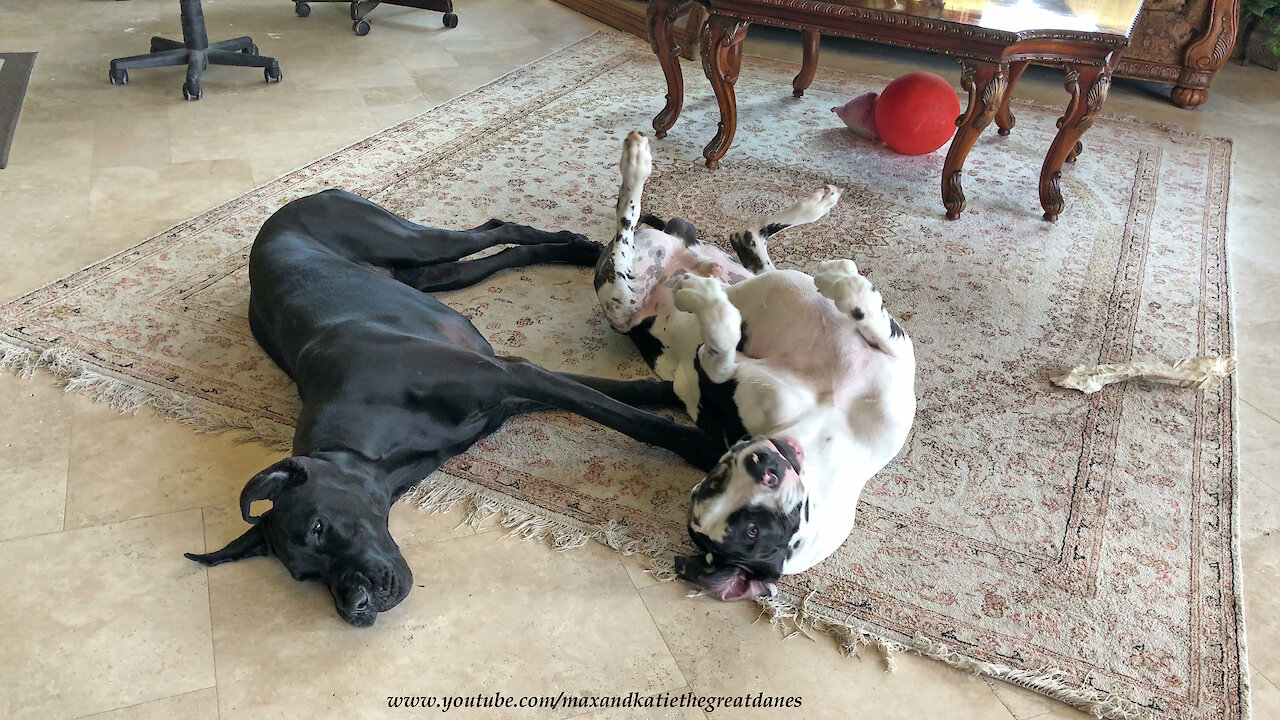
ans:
(703, 259)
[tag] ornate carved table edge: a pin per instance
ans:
(993, 60)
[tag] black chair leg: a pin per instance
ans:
(163, 58)
(158, 44)
(240, 43)
(239, 59)
(196, 53)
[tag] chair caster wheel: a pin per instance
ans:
(189, 92)
(355, 11)
(251, 50)
(119, 77)
(302, 9)
(450, 20)
(361, 27)
(273, 74)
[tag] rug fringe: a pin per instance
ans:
(444, 493)
(794, 617)
(77, 376)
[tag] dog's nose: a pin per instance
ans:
(355, 600)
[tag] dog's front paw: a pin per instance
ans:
(582, 251)
(705, 297)
(839, 281)
(695, 293)
(636, 163)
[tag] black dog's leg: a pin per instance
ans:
(637, 393)
(463, 273)
(364, 232)
(556, 390)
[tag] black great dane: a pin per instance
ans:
(394, 383)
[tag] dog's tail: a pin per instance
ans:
(653, 221)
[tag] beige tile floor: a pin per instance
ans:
(104, 616)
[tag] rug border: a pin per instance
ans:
(528, 522)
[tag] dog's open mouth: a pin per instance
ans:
(728, 583)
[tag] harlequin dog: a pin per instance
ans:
(808, 380)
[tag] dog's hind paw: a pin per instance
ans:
(839, 281)
(813, 207)
(720, 320)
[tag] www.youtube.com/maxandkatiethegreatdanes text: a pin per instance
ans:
(706, 703)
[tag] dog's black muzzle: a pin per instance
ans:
(359, 598)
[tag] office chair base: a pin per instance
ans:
(197, 53)
(360, 9)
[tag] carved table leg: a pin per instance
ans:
(1207, 54)
(693, 30)
(809, 66)
(722, 59)
(986, 85)
(1088, 85)
(1004, 116)
(662, 19)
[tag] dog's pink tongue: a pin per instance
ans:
(740, 587)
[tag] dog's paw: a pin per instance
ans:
(815, 206)
(839, 281)
(709, 269)
(705, 297)
(636, 163)
(695, 293)
(582, 250)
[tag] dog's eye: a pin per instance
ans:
(770, 479)
(752, 530)
(317, 528)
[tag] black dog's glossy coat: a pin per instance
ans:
(394, 383)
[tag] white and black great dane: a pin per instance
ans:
(808, 379)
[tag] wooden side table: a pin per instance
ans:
(995, 40)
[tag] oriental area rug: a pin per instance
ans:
(1083, 546)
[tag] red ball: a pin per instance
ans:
(916, 114)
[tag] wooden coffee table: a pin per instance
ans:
(995, 40)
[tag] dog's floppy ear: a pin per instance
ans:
(268, 484)
(250, 544)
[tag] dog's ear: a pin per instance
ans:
(251, 544)
(268, 484)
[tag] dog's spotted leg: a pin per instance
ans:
(720, 320)
(855, 296)
(750, 245)
(616, 283)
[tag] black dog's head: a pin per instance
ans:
(742, 518)
(324, 524)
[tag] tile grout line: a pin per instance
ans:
(213, 645)
(1260, 410)
(1260, 479)
(1256, 670)
(992, 687)
(66, 487)
(658, 627)
(139, 704)
(162, 513)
